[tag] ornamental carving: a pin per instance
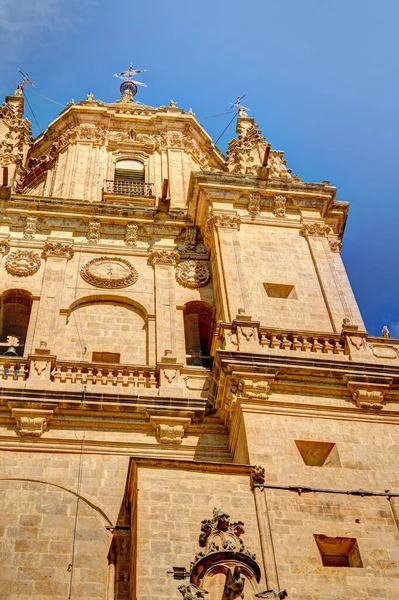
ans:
(22, 263)
(30, 228)
(178, 139)
(31, 422)
(335, 245)
(19, 132)
(94, 232)
(254, 204)
(170, 430)
(109, 272)
(278, 166)
(4, 246)
(280, 206)
(192, 274)
(258, 475)
(317, 229)
(219, 534)
(241, 157)
(229, 221)
(163, 257)
(131, 234)
(58, 249)
(81, 133)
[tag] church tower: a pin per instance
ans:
(191, 405)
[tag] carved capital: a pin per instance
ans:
(163, 257)
(58, 249)
(215, 220)
(335, 245)
(170, 430)
(31, 422)
(315, 229)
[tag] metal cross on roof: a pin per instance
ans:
(128, 82)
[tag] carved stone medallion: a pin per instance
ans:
(192, 274)
(109, 272)
(22, 263)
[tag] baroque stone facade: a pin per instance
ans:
(181, 353)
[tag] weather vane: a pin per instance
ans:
(128, 82)
(25, 79)
(237, 104)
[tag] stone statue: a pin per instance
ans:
(234, 585)
(385, 332)
(191, 592)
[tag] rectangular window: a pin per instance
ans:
(280, 290)
(106, 357)
(338, 551)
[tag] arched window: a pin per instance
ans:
(14, 320)
(198, 330)
(130, 170)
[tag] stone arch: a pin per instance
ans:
(15, 311)
(199, 320)
(40, 541)
(111, 326)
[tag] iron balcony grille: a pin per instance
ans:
(128, 188)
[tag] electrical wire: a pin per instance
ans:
(45, 97)
(79, 486)
(31, 109)
(229, 112)
(226, 128)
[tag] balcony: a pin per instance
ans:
(115, 188)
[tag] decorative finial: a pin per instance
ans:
(385, 332)
(71, 102)
(190, 112)
(128, 82)
(172, 104)
(90, 97)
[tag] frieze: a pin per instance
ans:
(58, 249)
(109, 272)
(192, 274)
(22, 263)
(163, 230)
(163, 257)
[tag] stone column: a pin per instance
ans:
(222, 239)
(57, 254)
(164, 262)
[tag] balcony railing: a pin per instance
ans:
(120, 187)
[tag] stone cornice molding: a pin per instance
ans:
(163, 257)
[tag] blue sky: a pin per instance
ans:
(321, 77)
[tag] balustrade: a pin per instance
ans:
(104, 375)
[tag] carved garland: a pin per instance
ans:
(317, 229)
(192, 274)
(88, 273)
(22, 263)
